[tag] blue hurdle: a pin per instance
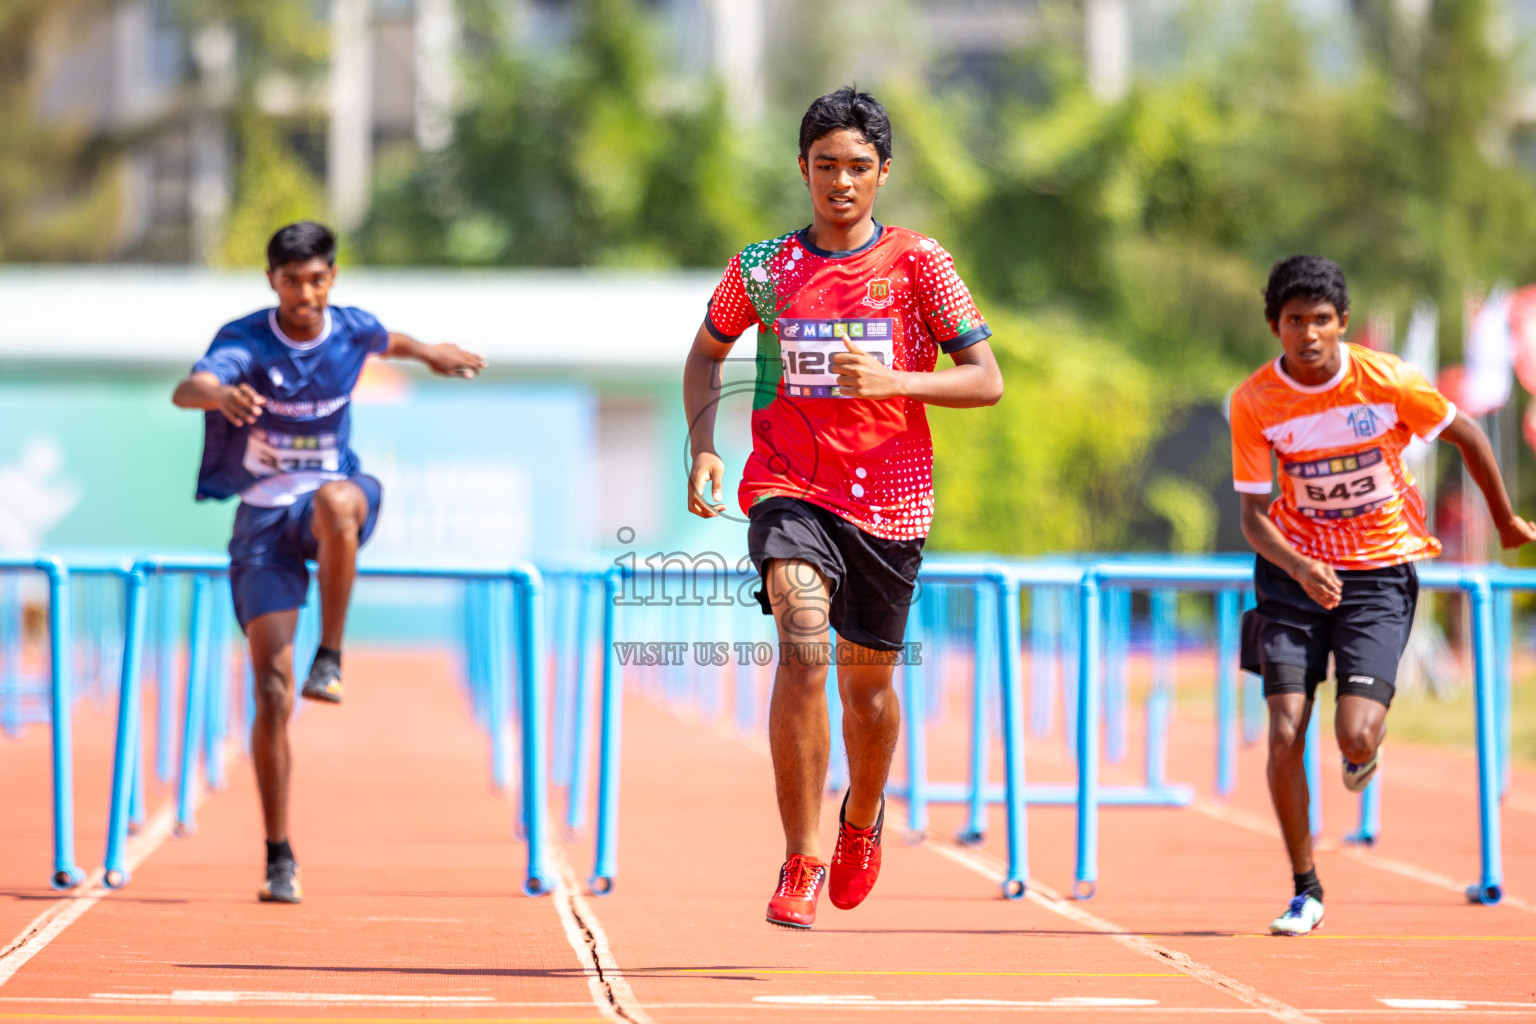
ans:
(524, 614)
(1227, 578)
(66, 872)
(1003, 583)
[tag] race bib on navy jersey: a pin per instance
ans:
(1342, 487)
(806, 348)
(268, 453)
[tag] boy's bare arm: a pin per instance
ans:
(445, 360)
(1317, 578)
(239, 403)
(701, 394)
(1469, 438)
(973, 381)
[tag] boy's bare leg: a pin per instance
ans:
(871, 728)
(1288, 716)
(1359, 725)
(340, 510)
(271, 640)
(799, 736)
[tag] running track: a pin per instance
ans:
(412, 911)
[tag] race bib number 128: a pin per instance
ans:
(1342, 487)
(806, 348)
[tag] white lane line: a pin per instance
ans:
(1059, 1002)
(611, 993)
(51, 923)
(1042, 896)
(1520, 802)
(1452, 1004)
(208, 996)
(1469, 1008)
(1263, 827)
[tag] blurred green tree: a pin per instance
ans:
(582, 157)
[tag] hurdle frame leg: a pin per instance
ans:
(1011, 687)
(1489, 889)
(1085, 881)
(66, 873)
(196, 701)
(116, 873)
(605, 860)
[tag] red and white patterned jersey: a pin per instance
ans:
(899, 299)
(1345, 496)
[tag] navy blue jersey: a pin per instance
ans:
(303, 436)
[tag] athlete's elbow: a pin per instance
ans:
(992, 392)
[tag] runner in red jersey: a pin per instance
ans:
(851, 316)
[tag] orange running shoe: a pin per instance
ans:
(856, 861)
(794, 901)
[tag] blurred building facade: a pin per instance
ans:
(142, 77)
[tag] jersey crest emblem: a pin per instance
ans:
(878, 293)
(1363, 421)
(276, 376)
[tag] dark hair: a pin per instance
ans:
(847, 108)
(299, 242)
(1304, 277)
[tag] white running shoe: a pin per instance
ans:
(1304, 914)
(1358, 776)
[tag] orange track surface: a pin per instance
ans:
(412, 909)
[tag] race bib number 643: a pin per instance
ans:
(1342, 487)
(806, 348)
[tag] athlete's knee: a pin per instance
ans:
(1357, 741)
(1287, 738)
(274, 693)
(804, 679)
(868, 700)
(340, 508)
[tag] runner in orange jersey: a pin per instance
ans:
(1334, 573)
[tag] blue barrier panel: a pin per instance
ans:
(533, 815)
(66, 873)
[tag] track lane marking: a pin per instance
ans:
(938, 974)
(162, 1019)
(611, 993)
(50, 924)
(1044, 897)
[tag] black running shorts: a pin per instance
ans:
(1287, 637)
(872, 580)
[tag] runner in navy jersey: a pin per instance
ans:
(276, 388)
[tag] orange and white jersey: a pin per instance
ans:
(1345, 496)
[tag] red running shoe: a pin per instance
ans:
(794, 901)
(856, 862)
